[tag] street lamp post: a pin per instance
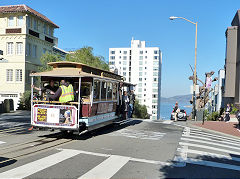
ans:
(195, 65)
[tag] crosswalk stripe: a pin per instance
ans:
(41, 164)
(212, 135)
(107, 168)
(211, 143)
(207, 147)
(209, 139)
(220, 156)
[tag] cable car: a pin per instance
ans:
(97, 98)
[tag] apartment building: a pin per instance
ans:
(140, 65)
(25, 35)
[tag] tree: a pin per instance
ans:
(140, 111)
(45, 59)
(85, 55)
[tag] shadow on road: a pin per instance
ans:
(6, 161)
(191, 170)
(101, 131)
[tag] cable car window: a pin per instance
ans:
(109, 91)
(85, 91)
(103, 91)
(96, 93)
(114, 91)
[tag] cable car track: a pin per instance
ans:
(16, 151)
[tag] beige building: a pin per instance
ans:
(25, 35)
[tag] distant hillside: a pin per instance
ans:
(179, 99)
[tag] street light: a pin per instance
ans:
(195, 75)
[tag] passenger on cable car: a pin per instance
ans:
(48, 90)
(64, 93)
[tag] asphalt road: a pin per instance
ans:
(136, 149)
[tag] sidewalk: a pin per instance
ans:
(230, 128)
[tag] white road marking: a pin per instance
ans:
(209, 139)
(214, 136)
(107, 168)
(167, 122)
(210, 143)
(183, 154)
(1, 142)
(38, 165)
(148, 135)
(211, 148)
(220, 156)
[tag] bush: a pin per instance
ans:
(25, 101)
(234, 109)
(213, 116)
(140, 111)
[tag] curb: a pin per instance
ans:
(213, 131)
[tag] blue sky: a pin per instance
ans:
(112, 23)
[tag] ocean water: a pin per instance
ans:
(166, 109)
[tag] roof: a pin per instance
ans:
(68, 72)
(24, 8)
(74, 69)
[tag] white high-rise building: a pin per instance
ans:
(140, 65)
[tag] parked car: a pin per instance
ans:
(181, 116)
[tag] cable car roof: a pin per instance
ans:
(74, 69)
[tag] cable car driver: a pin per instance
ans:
(64, 93)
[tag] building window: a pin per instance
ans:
(19, 49)
(140, 68)
(18, 75)
(45, 28)
(146, 51)
(124, 63)
(9, 75)
(124, 73)
(139, 84)
(155, 90)
(154, 101)
(124, 52)
(139, 96)
(155, 68)
(145, 57)
(140, 57)
(140, 79)
(49, 31)
(155, 73)
(154, 95)
(145, 73)
(34, 51)
(141, 52)
(111, 63)
(140, 62)
(120, 51)
(155, 51)
(155, 85)
(124, 68)
(120, 62)
(155, 79)
(20, 21)
(140, 73)
(112, 52)
(112, 57)
(120, 57)
(10, 21)
(140, 90)
(155, 57)
(9, 48)
(154, 106)
(124, 57)
(29, 19)
(35, 24)
(28, 49)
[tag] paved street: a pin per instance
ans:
(136, 149)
